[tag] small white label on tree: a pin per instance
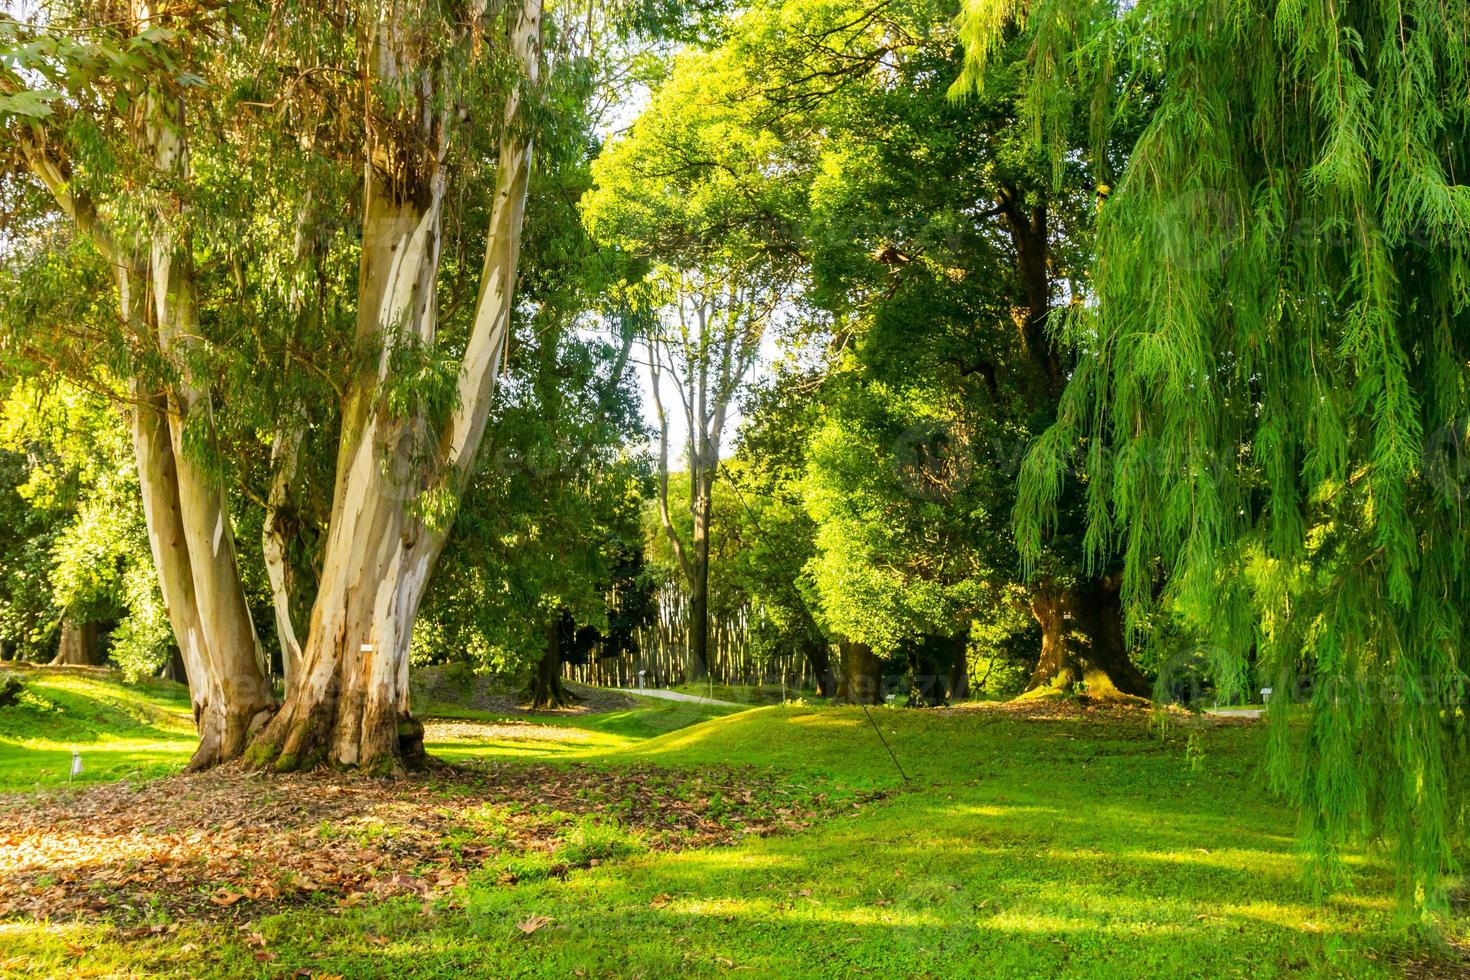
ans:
(365, 648)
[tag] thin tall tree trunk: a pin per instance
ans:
(242, 696)
(699, 648)
(277, 531)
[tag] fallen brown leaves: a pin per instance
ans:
(231, 844)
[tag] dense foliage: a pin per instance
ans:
(1081, 348)
(1272, 400)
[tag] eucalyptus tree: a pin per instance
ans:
(90, 109)
(1271, 402)
(128, 118)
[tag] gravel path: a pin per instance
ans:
(658, 692)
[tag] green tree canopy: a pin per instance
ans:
(1272, 398)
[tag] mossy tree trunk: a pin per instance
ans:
(1082, 644)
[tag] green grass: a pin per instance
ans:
(1016, 848)
(570, 737)
(122, 730)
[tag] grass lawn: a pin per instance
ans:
(122, 730)
(1043, 845)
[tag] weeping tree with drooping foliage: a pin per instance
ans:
(1271, 401)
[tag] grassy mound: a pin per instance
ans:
(144, 730)
(120, 729)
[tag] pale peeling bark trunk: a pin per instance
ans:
(349, 703)
(158, 481)
(184, 507)
(276, 534)
(233, 657)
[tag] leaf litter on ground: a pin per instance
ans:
(231, 844)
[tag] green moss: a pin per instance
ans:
(259, 754)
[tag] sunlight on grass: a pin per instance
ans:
(139, 730)
(1017, 849)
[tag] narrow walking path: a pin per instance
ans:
(658, 692)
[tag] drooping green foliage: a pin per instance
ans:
(1272, 398)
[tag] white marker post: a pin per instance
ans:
(76, 765)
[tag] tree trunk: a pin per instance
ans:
(78, 644)
(959, 676)
(236, 663)
(348, 702)
(819, 655)
(241, 697)
(699, 664)
(279, 528)
(1027, 225)
(184, 507)
(861, 681)
(230, 694)
(175, 670)
(547, 689)
(1082, 644)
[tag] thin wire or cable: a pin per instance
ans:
(733, 484)
(886, 745)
